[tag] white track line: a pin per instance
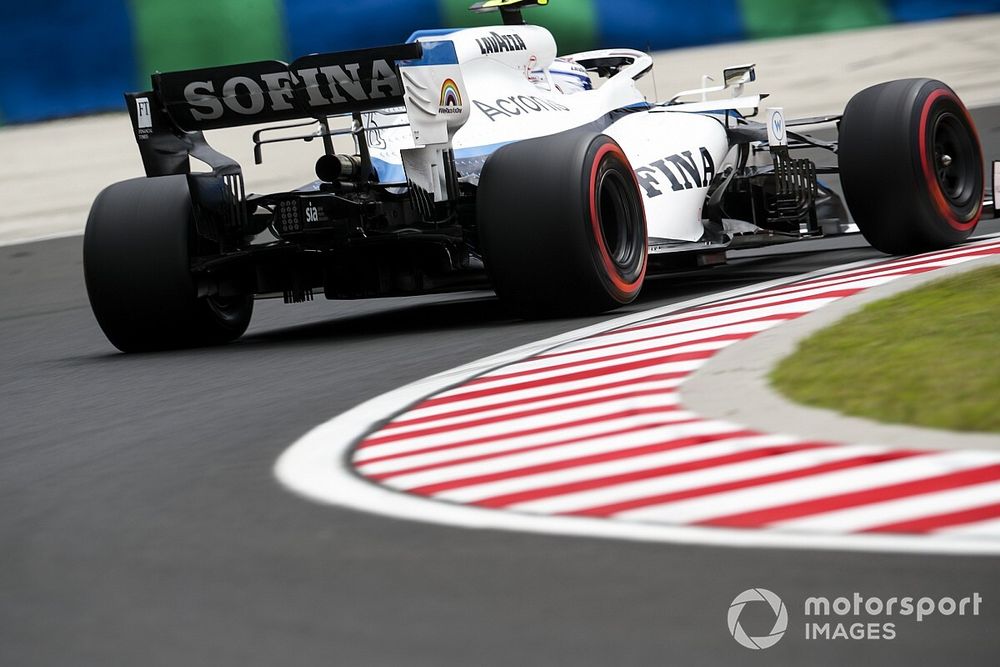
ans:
(6, 243)
(977, 530)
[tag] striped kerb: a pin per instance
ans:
(597, 428)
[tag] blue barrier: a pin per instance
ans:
(320, 25)
(64, 58)
(924, 10)
(644, 24)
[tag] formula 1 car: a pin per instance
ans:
(482, 159)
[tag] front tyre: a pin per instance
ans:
(562, 225)
(911, 166)
(137, 264)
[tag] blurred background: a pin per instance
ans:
(72, 57)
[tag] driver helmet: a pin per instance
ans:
(569, 77)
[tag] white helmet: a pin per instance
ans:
(569, 77)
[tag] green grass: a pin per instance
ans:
(929, 357)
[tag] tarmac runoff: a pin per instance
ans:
(734, 384)
(51, 172)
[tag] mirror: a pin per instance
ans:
(739, 75)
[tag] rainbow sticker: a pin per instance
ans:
(450, 97)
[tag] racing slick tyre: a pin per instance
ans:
(911, 166)
(136, 259)
(562, 225)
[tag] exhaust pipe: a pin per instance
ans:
(333, 168)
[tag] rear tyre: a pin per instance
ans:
(562, 225)
(137, 264)
(911, 166)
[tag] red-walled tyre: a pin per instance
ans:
(911, 166)
(562, 225)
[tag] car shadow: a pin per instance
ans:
(479, 311)
(482, 310)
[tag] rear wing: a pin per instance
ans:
(314, 86)
(169, 120)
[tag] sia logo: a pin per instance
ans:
(451, 98)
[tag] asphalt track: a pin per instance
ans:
(141, 524)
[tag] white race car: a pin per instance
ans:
(483, 159)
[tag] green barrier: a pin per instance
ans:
(779, 18)
(187, 34)
(572, 22)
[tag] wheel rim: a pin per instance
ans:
(954, 159)
(620, 220)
